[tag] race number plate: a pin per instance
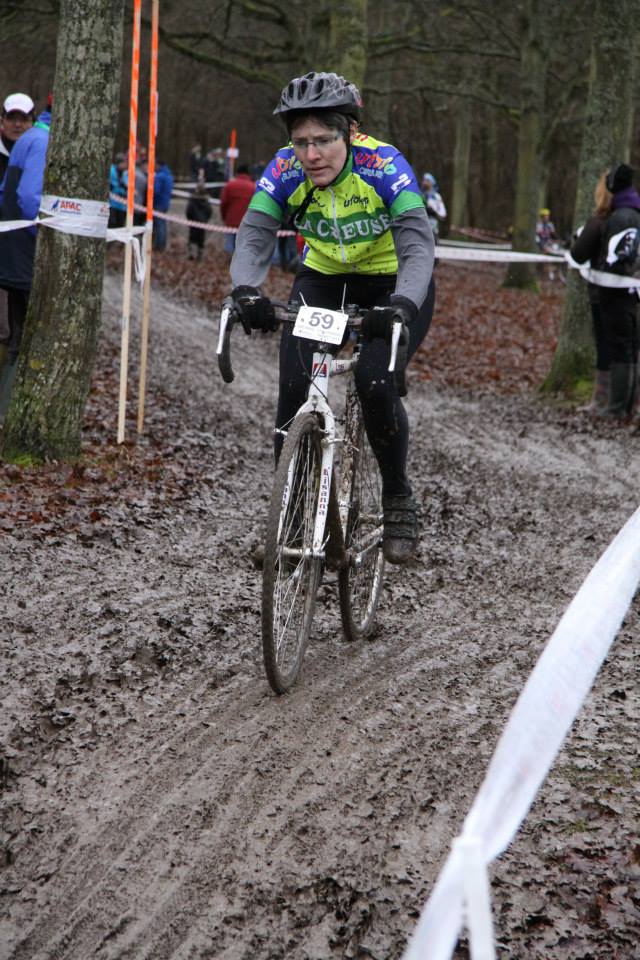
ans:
(319, 323)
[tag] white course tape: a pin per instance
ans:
(490, 253)
(602, 279)
(473, 244)
(6, 225)
(533, 736)
(89, 218)
(84, 218)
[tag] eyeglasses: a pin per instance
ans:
(320, 143)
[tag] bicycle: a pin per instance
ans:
(315, 519)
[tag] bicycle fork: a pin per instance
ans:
(317, 404)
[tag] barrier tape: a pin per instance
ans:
(529, 744)
(490, 244)
(210, 227)
(602, 279)
(89, 218)
(85, 218)
(491, 253)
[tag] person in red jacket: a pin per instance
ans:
(234, 200)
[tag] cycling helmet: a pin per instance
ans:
(320, 91)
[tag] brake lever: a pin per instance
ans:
(223, 351)
(399, 352)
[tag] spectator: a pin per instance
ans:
(436, 210)
(234, 202)
(602, 199)
(198, 209)
(18, 115)
(546, 240)
(162, 190)
(214, 170)
(196, 163)
(610, 242)
(545, 232)
(117, 208)
(20, 195)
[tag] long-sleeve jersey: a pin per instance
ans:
(371, 220)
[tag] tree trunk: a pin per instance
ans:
(349, 39)
(532, 73)
(59, 346)
(461, 155)
(606, 139)
(378, 105)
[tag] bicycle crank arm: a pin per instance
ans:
(358, 559)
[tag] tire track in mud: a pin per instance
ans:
(156, 837)
(218, 820)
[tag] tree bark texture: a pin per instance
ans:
(349, 39)
(532, 74)
(606, 140)
(61, 333)
(378, 105)
(461, 157)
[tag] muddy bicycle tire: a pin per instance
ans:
(291, 576)
(360, 488)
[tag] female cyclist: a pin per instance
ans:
(356, 203)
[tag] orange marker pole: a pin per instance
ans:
(131, 177)
(232, 152)
(151, 159)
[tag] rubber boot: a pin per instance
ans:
(600, 396)
(621, 390)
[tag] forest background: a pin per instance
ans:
(511, 105)
(452, 85)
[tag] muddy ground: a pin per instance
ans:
(158, 801)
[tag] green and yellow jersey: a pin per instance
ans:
(346, 226)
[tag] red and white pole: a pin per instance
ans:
(128, 253)
(151, 160)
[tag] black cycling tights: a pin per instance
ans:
(384, 415)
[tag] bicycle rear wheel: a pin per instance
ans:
(360, 489)
(291, 574)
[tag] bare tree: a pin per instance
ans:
(63, 321)
(606, 138)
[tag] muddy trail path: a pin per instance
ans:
(158, 801)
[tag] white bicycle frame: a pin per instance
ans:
(324, 366)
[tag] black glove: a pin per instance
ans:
(378, 322)
(256, 312)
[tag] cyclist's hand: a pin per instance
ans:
(378, 322)
(256, 312)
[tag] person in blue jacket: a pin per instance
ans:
(117, 208)
(20, 194)
(162, 190)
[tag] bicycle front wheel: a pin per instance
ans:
(291, 573)
(360, 578)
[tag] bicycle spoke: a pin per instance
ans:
(290, 571)
(360, 581)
